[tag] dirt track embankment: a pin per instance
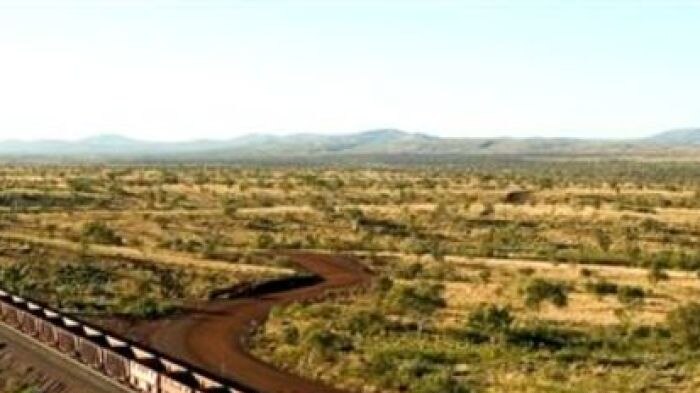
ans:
(214, 335)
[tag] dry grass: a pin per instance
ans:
(163, 257)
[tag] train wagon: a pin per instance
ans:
(143, 375)
(67, 340)
(90, 347)
(115, 361)
(31, 319)
(118, 358)
(217, 389)
(11, 315)
(47, 327)
(207, 384)
(175, 377)
(4, 304)
(47, 332)
(29, 323)
(20, 317)
(90, 351)
(180, 382)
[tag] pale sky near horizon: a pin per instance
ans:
(176, 70)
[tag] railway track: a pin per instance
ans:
(63, 374)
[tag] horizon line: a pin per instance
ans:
(282, 134)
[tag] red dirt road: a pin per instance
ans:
(214, 336)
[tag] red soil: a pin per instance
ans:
(214, 335)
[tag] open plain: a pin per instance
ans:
(496, 276)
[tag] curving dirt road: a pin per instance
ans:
(214, 336)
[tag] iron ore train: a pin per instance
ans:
(125, 362)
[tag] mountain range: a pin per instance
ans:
(384, 142)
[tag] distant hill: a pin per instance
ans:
(683, 137)
(376, 143)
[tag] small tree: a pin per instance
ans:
(490, 319)
(99, 232)
(440, 382)
(420, 300)
(684, 324)
(603, 239)
(265, 240)
(324, 343)
(539, 290)
(631, 294)
(656, 274)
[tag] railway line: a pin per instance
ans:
(131, 366)
(69, 375)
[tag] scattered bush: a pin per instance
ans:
(490, 318)
(439, 382)
(421, 299)
(586, 272)
(630, 294)
(684, 324)
(147, 308)
(602, 288)
(324, 343)
(526, 271)
(542, 336)
(409, 271)
(364, 322)
(656, 274)
(603, 239)
(98, 232)
(81, 184)
(625, 293)
(265, 240)
(539, 290)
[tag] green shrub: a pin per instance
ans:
(422, 298)
(490, 318)
(290, 335)
(98, 232)
(265, 240)
(363, 322)
(485, 275)
(656, 274)
(603, 239)
(325, 343)
(630, 294)
(148, 308)
(543, 336)
(684, 324)
(526, 271)
(602, 288)
(414, 370)
(539, 290)
(585, 272)
(81, 184)
(439, 382)
(410, 271)
(83, 275)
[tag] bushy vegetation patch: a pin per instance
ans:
(369, 345)
(93, 286)
(539, 290)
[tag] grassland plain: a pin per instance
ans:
(494, 276)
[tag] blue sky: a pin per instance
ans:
(189, 69)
